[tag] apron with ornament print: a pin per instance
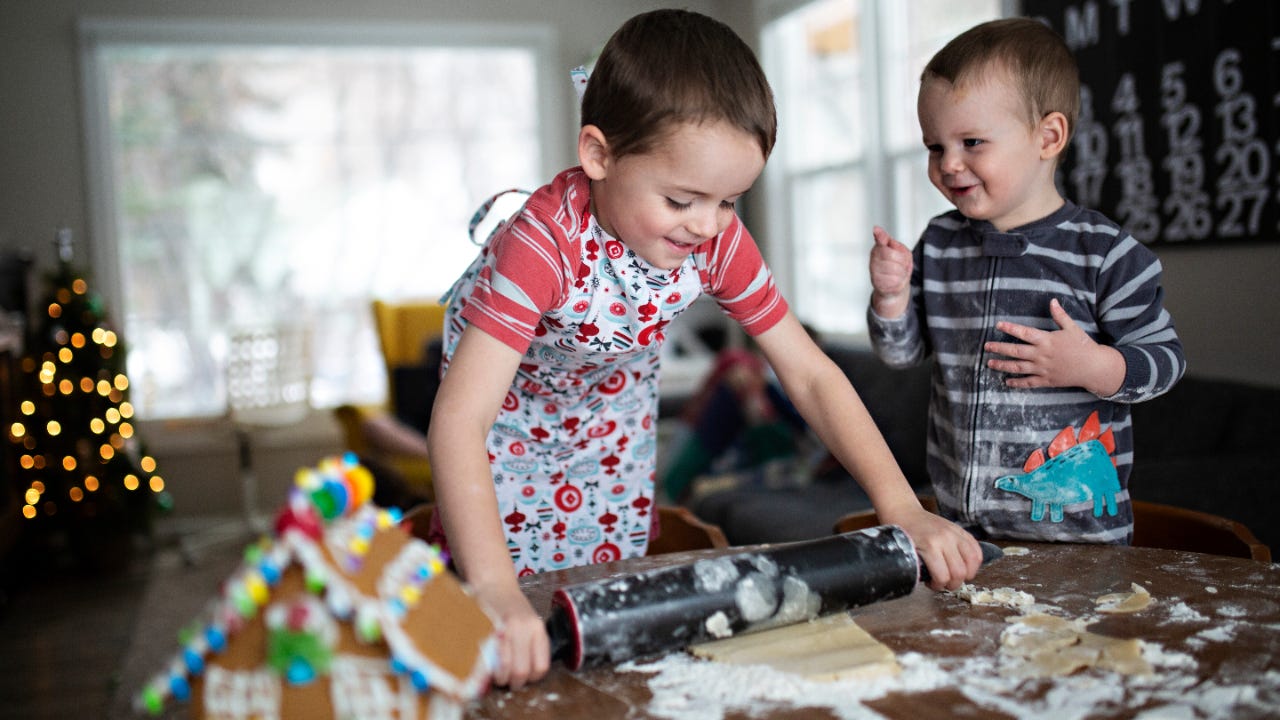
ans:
(574, 445)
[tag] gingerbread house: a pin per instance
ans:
(343, 614)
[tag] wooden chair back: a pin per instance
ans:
(1177, 528)
(1154, 525)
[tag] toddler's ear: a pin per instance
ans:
(1053, 135)
(593, 152)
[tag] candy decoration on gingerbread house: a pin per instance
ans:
(342, 615)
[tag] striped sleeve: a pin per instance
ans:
(530, 265)
(1131, 313)
(735, 274)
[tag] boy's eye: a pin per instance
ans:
(728, 205)
(933, 149)
(677, 205)
(972, 142)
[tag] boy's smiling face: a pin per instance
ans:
(665, 203)
(983, 155)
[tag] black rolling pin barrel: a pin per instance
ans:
(616, 619)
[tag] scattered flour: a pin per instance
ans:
(1232, 611)
(1182, 612)
(688, 688)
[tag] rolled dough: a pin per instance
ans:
(828, 648)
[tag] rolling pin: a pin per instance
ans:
(615, 619)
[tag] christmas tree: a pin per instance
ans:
(81, 471)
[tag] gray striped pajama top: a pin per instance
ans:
(1034, 464)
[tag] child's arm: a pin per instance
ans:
(470, 395)
(826, 400)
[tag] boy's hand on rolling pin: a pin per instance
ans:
(890, 275)
(952, 555)
(524, 652)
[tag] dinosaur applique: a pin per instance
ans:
(1079, 469)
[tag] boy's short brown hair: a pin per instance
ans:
(1035, 57)
(667, 67)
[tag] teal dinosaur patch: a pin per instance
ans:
(1081, 473)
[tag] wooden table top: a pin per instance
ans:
(1211, 636)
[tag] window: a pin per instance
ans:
(263, 174)
(846, 73)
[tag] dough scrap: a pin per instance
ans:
(1042, 645)
(1124, 602)
(1012, 550)
(1000, 597)
(827, 649)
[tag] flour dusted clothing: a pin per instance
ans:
(573, 448)
(1044, 463)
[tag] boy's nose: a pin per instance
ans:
(951, 162)
(704, 223)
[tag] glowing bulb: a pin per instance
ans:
(17, 430)
(65, 355)
(126, 410)
(131, 482)
(112, 415)
(126, 430)
(77, 340)
(148, 463)
(55, 310)
(107, 452)
(104, 388)
(79, 286)
(76, 494)
(86, 384)
(66, 387)
(28, 407)
(157, 483)
(54, 427)
(97, 426)
(28, 512)
(90, 483)
(121, 382)
(68, 463)
(32, 497)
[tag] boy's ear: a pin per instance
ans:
(593, 152)
(1053, 135)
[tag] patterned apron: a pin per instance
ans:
(573, 449)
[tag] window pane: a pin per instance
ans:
(830, 250)
(268, 184)
(821, 89)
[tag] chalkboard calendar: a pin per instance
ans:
(1178, 134)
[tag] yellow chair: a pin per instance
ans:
(403, 328)
(1154, 526)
